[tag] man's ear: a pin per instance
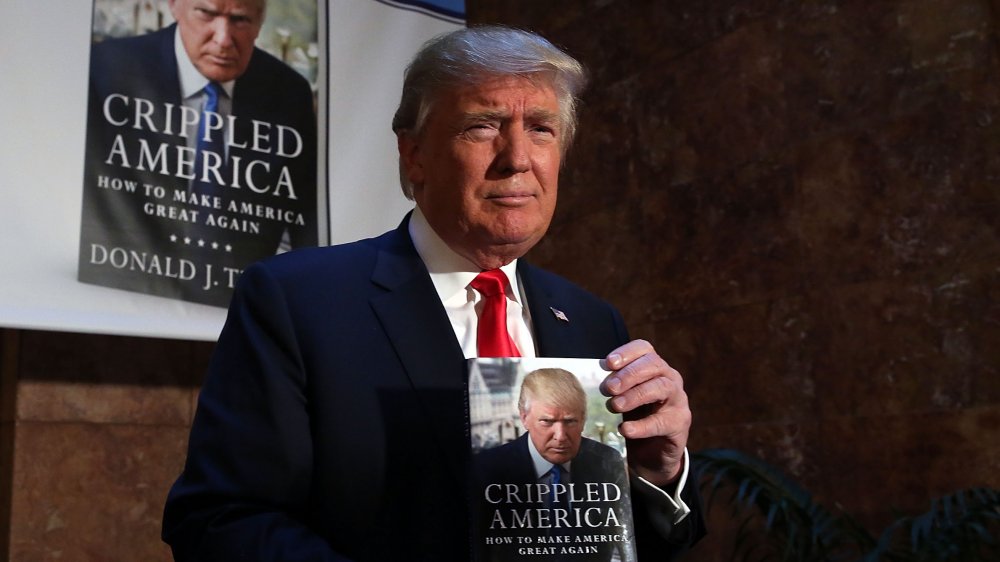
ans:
(409, 157)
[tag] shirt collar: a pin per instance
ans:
(450, 272)
(541, 465)
(191, 80)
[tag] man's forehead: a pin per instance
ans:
(500, 92)
(240, 7)
(548, 410)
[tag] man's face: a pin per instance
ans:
(218, 35)
(555, 431)
(485, 168)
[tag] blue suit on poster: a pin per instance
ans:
(137, 197)
(331, 425)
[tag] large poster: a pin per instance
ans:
(201, 153)
(115, 220)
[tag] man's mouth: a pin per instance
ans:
(222, 60)
(514, 198)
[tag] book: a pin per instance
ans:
(195, 168)
(548, 473)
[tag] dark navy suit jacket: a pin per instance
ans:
(512, 463)
(143, 69)
(332, 425)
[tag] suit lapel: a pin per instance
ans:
(418, 328)
(166, 82)
(554, 337)
(525, 465)
(255, 89)
(249, 90)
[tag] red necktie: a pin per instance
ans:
(493, 340)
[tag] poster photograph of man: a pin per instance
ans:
(201, 153)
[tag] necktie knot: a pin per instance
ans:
(556, 472)
(212, 92)
(555, 478)
(491, 283)
(493, 338)
(210, 150)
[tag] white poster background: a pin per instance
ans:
(44, 62)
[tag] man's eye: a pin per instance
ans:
(240, 21)
(479, 131)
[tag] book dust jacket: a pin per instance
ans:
(549, 480)
(198, 163)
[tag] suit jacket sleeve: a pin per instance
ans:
(659, 539)
(594, 329)
(251, 407)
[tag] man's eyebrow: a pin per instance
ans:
(535, 115)
(542, 115)
(562, 419)
(486, 115)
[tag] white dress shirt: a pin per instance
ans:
(542, 466)
(451, 275)
(193, 90)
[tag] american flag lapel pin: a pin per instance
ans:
(559, 314)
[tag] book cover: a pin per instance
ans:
(202, 146)
(549, 479)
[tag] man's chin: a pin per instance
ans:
(220, 73)
(559, 458)
(520, 237)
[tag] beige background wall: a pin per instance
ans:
(798, 202)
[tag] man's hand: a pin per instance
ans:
(650, 395)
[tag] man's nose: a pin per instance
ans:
(558, 432)
(513, 157)
(221, 32)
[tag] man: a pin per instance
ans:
(332, 423)
(201, 155)
(552, 452)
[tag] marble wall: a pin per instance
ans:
(797, 201)
(94, 432)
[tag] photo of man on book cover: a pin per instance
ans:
(201, 149)
(553, 484)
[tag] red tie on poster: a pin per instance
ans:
(493, 338)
